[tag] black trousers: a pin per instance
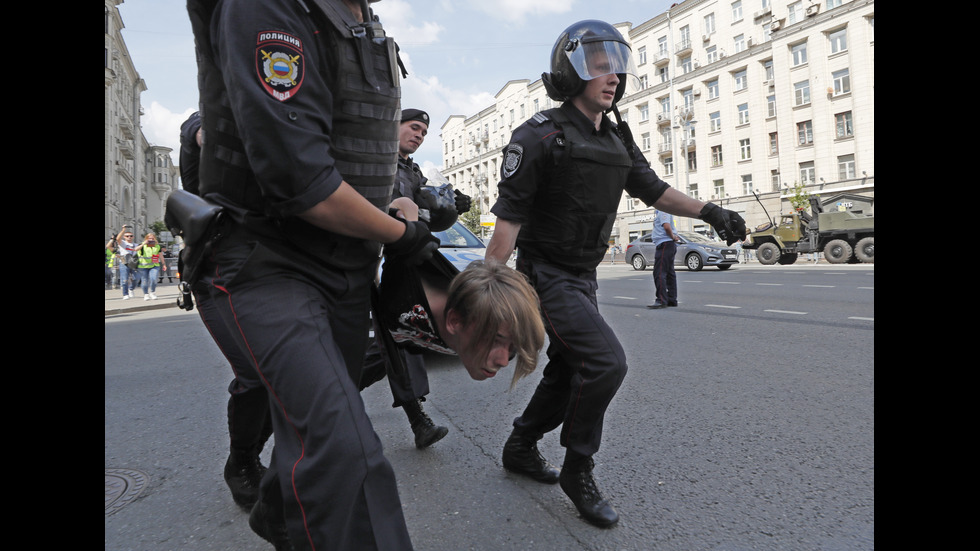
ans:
(303, 330)
(586, 363)
(664, 276)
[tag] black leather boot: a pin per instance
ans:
(426, 432)
(521, 456)
(243, 472)
(578, 484)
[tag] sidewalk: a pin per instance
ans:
(166, 298)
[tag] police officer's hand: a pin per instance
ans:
(463, 202)
(415, 246)
(729, 225)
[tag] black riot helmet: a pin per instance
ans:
(440, 202)
(584, 51)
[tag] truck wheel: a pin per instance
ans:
(838, 251)
(865, 250)
(694, 263)
(768, 254)
(786, 259)
(638, 262)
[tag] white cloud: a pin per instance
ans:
(162, 126)
(400, 21)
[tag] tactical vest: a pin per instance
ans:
(573, 212)
(364, 134)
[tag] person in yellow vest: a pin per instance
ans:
(110, 258)
(150, 260)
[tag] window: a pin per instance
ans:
(662, 46)
(692, 161)
(665, 106)
(795, 12)
(693, 191)
(739, 43)
(745, 149)
(845, 167)
(741, 80)
(715, 121)
(686, 65)
(743, 113)
(537, 105)
(685, 33)
(712, 53)
(736, 11)
(668, 166)
(644, 82)
(747, 184)
(712, 86)
(767, 67)
(719, 188)
(716, 159)
(844, 125)
(773, 143)
(804, 132)
(644, 112)
(709, 24)
(774, 179)
(645, 141)
(688, 96)
(838, 41)
(641, 54)
(665, 139)
(801, 91)
(799, 54)
(807, 173)
(664, 75)
(831, 4)
(842, 81)
(771, 105)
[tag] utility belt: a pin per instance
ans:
(199, 223)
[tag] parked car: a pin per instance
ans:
(693, 250)
(460, 246)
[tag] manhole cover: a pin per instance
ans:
(122, 486)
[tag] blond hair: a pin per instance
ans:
(487, 295)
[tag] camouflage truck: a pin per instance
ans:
(842, 236)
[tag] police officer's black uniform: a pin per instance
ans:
(296, 97)
(562, 181)
(249, 422)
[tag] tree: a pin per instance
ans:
(801, 197)
(471, 219)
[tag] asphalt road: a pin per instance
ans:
(746, 422)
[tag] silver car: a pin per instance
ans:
(693, 250)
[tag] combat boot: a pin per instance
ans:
(426, 432)
(521, 456)
(243, 472)
(579, 485)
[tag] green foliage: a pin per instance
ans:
(158, 227)
(471, 219)
(801, 197)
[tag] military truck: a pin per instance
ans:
(842, 236)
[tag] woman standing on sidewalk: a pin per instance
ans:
(150, 258)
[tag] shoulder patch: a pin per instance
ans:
(279, 64)
(512, 159)
(538, 119)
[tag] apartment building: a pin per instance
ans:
(139, 177)
(734, 98)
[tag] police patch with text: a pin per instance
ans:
(512, 159)
(279, 64)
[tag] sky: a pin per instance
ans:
(459, 53)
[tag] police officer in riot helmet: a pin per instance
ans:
(562, 178)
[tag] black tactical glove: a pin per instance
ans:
(415, 246)
(727, 223)
(463, 202)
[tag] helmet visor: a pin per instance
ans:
(595, 59)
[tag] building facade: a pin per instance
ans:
(734, 98)
(139, 177)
